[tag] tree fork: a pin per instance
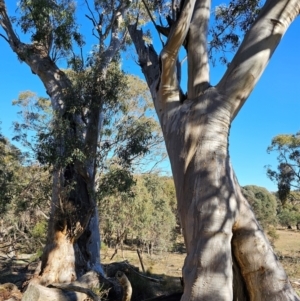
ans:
(209, 198)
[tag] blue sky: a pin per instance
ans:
(273, 107)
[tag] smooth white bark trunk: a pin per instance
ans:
(221, 234)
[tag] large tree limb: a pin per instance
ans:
(169, 89)
(198, 69)
(256, 51)
(147, 59)
(36, 57)
(95, 114)
(263, 274)
(5, 23)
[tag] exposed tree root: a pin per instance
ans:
(126, 285)
(90, 286)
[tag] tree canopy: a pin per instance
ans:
(287, 175)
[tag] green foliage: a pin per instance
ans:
(25, 215)
(289, 215)
(231, 20)
(263, 203)
(144, 212)
(272, 234)
(35, 123)
(39, 230)
(130, 139)
(116, 180)
(287, 175)
(51, 23)
(10, 165)
(24, 195)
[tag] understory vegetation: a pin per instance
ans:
(143, 215)
(137, 212)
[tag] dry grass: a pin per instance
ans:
(288, 243)
(164, 266)
(168, 265)
(287, 246)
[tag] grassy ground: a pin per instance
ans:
(288, 243)
(287, 246)
(165, 266)
(168, 265)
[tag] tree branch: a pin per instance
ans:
(150, 16)
(169, 89)
(148, 59)
(36, 57)
(256, 50)
(4, 37)
(5, 23)
(198, 69)
(116, 42)
(76, 288)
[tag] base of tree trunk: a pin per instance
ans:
(86, 287)
(37, 292)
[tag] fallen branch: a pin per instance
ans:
(141, 261)
(75, 288)
(143, 276)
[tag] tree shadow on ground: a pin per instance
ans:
(145, 286)
(15, 270)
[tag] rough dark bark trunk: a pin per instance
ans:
(73, 241)
(72, 246)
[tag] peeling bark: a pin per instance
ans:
(73, 242)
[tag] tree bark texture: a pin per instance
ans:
(228, 255)
(79, 290)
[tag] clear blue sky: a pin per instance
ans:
(273, 107)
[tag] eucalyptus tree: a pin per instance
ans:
(263, 203)
(287, 175)
(42, 34)
(10, 162)
(228, 255)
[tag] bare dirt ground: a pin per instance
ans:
(287, 247)
(164, 266)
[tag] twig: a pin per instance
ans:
(75, 288)
(143, 276)
(156, 27)
(141, 261)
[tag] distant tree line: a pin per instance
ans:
(142, 215)
(137, 209)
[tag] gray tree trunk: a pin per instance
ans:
(228, 255)
(73, 242)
